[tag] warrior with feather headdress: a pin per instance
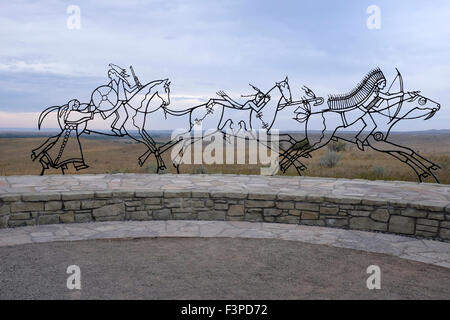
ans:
(359, 103)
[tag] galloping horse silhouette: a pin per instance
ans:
(219, 115)
(148, 99)
(414, 107)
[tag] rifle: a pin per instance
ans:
(136, 80)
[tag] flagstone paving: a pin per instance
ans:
(413, 193)
(427, 251)
(405, 208)
(42, 215)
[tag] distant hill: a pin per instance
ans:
(33, 133)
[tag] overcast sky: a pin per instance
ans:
(205, 46)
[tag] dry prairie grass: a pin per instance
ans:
(113, 156)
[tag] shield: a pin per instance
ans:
(104, 98)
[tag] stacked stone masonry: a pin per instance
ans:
(429, 220)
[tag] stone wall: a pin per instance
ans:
(400, 217)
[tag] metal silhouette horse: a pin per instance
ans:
(228, 117)
(366, 107)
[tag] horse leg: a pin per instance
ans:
(187, 143)
(176, 161)
(417, 168)
(299, 166)
(158, 157)
(286, 157)
(45, 163)
(167, 147)
(403, 159)
(143, 158)
(160, 163)
(311, 143)
(403, 154)
(139, 123)
(151, 144)
(178, 158)
(146, 154)
(177, 167)
(426, 172)
(151, 148)
(289, 158)
(430, 165)
(285, 154)
(286, 137)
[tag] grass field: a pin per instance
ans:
(120, 155)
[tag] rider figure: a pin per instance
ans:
(123, 88)
(257, 103)
(361, 102)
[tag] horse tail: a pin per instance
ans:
(45, 113)
(302, 113)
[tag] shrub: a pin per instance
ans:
(151, 168)
(119, 170)
(330, 159)
(337, 146)
(378, 172)
(199, 170)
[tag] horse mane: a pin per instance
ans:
(149, 90)
(357, 95)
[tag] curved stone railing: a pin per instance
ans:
(396, 207)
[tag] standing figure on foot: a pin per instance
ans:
(65, 148)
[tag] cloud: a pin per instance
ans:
(38, 67)
(205, 46)
(21, 120)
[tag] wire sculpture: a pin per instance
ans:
(65, 148)
(366, 107)
(120, 105)
(125, 107)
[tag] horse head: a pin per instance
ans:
(164, 93)
(285, 90)
(416, 106)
